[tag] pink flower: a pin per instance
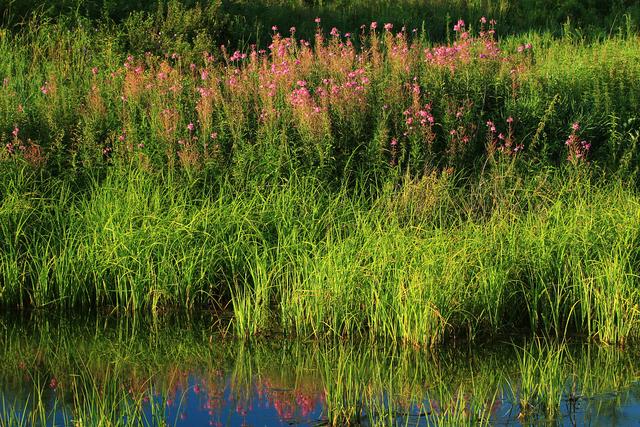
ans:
(317, 20)
(374, 25)
(204, 74)
(459, 26)
(191, 127)
(44, 89)
(483, 20)
(15, 132)
(274, 28)
(510, 119)
(575, 126)
(214, 135)
(388, 27)
(335, 32)
(394, 142)
(121, 138)
(94, 70)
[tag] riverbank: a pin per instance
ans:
(389, 188)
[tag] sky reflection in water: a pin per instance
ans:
(184, 375)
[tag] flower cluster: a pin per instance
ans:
(500, 142)
(577, 147)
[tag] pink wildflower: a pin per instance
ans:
(459, 26)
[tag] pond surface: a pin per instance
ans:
(183, 372)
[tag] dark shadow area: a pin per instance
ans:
(243, 22)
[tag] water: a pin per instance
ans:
(183, 372)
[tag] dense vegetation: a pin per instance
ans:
(247, 21)
(378, 183)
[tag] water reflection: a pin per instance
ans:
(184, 372)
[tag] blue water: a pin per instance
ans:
(197, 405)
(181, 376)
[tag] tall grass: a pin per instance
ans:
(431, 261)
(373, 185)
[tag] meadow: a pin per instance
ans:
(405, 183)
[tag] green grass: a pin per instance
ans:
(437, 259)
(331, 190)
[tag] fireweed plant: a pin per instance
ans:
(368, 184)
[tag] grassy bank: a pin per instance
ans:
(366, 185)
(433, 259)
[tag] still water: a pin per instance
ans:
(185, 372)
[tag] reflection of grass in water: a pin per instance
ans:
(554, 374)
(106, 374)
(542, 380)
